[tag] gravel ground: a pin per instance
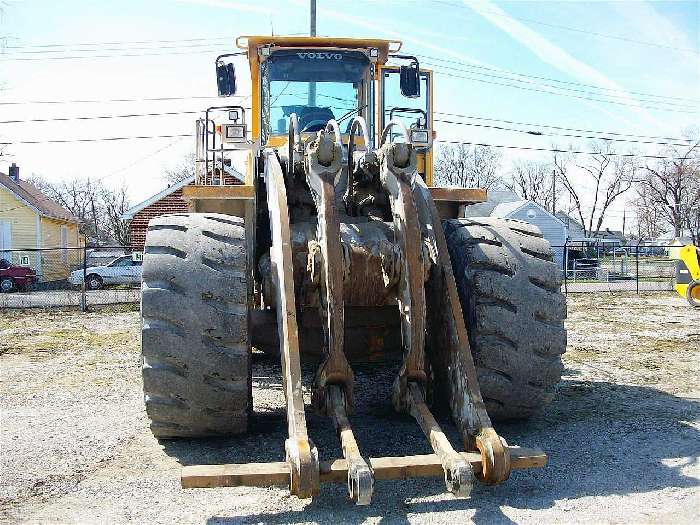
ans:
(622, 434)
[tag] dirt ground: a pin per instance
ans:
(623, 434)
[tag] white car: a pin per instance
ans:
(123, 270)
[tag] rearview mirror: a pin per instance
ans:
(410, 80)
(225, 79)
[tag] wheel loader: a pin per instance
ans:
(335, 247)
(687, 272)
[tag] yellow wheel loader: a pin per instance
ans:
(337, 248)
(688, 273)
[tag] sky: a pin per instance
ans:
(626, 67)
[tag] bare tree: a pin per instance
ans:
(114, 203)
(669, 189)
(611, 175)
(533, 181)
(98, 207)
(650, 223)
(184, 170)
(78, 196)
(469, 167)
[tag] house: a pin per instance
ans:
(165, 202)
(36, 231)
(495, 197)
(553, 229)
(506, 204)
(576, 231)
(611, 237)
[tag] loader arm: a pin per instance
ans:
(433, 345)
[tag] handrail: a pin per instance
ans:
(357, 122)
(332, 125)
(390, 125)
(293, 138)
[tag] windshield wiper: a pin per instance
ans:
(351, 113)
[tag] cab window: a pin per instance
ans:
(413, 112)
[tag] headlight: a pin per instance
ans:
(234, 132)
(420, 137)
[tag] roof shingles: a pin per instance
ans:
(34, 197)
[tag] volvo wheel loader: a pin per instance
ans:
(337, 248)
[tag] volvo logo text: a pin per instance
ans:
(320, 56)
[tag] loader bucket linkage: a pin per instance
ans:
(415, 219)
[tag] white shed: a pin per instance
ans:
(553, 229)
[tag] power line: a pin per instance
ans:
(556, 150)
(81, 57)
(140, 160)
(570, 135)
(614, 133)
(500, 77)
(524, 148)
(103, 101)
(571, 89)
(128, 42)
(103, 49)
(548, 79)
(502, 128)
(101, 139)
(99, 117)
(121, 43)
(563, 94)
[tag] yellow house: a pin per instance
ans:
(36, 231)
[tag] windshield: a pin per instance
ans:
(316, 85)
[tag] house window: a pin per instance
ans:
(5, 240)
(64, 243)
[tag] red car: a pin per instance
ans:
(15, 277)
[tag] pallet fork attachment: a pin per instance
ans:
(435, 342)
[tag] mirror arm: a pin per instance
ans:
(404, 57)
(226, 55)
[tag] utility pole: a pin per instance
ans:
(312, 18)
(554, 192)
(312, 32)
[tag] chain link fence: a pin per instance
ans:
(74, 276)
(596, 268)
(97, 275)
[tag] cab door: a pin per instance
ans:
(410, 111)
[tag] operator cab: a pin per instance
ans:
(319, 80)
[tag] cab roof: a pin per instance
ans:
(251, 43)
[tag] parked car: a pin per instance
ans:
(122, 270)
(15, 277)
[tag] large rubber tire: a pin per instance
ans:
(510, 291)
(693, 293)
(194, 311)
